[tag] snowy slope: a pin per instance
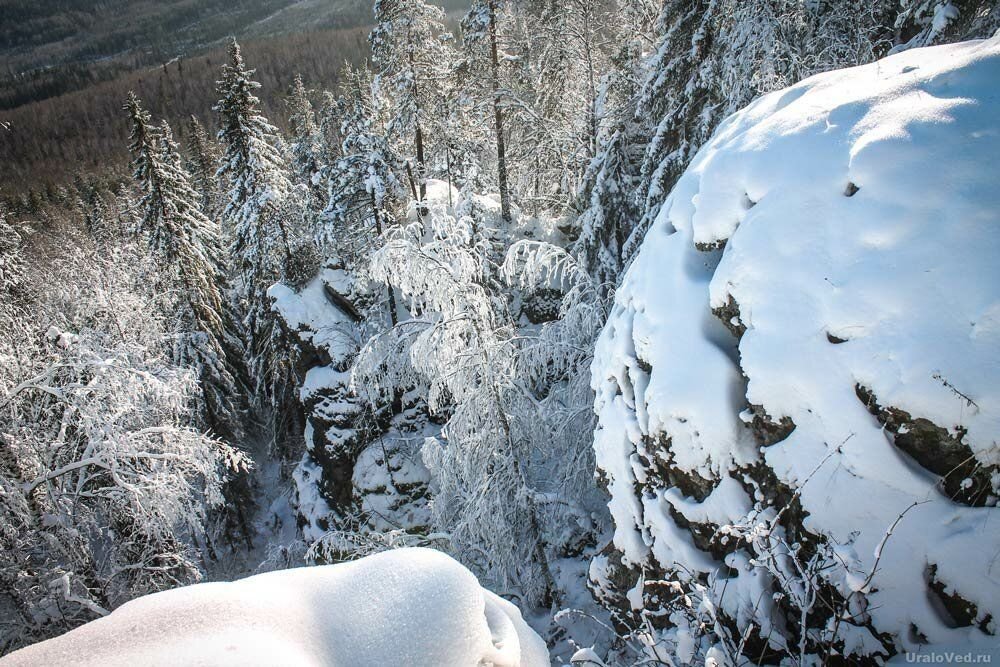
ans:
(817, 312)
(405, 607)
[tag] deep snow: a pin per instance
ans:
(405, 607)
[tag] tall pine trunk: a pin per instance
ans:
(498, 116)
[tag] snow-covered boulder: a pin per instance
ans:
(407, 607)
(799, 385)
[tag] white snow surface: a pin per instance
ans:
(904, 270)
(406, 607)
(310, 314)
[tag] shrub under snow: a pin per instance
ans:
(799, 385)
(404, 607)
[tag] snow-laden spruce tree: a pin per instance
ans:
(262, 218)
(188, 244)
(203, 157)
(101, 223)
(106, 481)
(364, 183)
(124, 215)
(610, 210)
(607, 205)
(678, 84)
(257, 175)
(306, 140)
(16, 356)
(407, 57)
(328, 123)
(14, 299)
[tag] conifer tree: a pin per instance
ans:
(188, 243)
(715, 56)
(125, 211)
(96, 219)
(256, 212)
(257, 177)
(256, 173)
(406, 53)
(146, 168)
(329, 126)
(203, 163)
(364, 183)
(610, 212)
(607, 203)
(366, 176)
(679, 64)
(481, 35)
(306, 145)
(12, 265)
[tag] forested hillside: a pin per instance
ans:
(79, 135)
(66, 65)
(53, 48)
(673, 322)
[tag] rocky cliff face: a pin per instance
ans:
(798, 386)
(361, 473)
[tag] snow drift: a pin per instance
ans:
(813, 323)
(405, 607)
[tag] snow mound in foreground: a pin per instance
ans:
(817, 310)
(405, 607)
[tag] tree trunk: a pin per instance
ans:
(421, 168)
(591, 85)
(419, 138)
(498, 116)
(538, 182)
(421, 210)
(392, 294)
(447, 158)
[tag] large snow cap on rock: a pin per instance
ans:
(405, 607)
(821, 295)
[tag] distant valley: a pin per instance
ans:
(66, 66)
(51, 48)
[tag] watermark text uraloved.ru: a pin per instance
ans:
(949, 658)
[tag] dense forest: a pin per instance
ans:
(54, 48)
(49, 142)
(67, 63)
(457, 285)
